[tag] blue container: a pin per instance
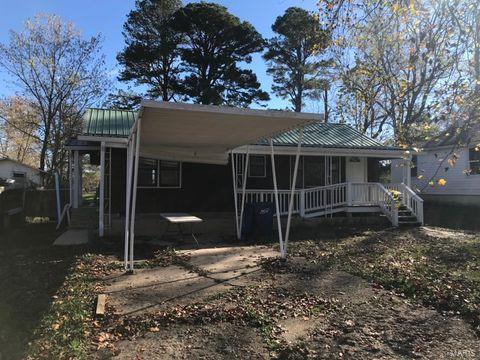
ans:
(247, 222)
(263, 218)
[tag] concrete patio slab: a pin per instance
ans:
(207, 272)
(229, 262)
(154, 289)
(72, 237)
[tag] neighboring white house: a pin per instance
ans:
(14, 170)
(446, 169)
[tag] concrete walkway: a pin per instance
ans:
(72, 237)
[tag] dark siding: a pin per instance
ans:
(204, 187)
(373, 170)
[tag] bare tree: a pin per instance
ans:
(18, 125)
(59, 74)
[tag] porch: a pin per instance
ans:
(327, 182)
(348, 198)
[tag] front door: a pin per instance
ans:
(356, 169)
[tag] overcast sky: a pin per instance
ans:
(107, 17)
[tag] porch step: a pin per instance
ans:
(406, 218)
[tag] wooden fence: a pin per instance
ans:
(33, 203)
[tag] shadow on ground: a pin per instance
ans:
(31, 271)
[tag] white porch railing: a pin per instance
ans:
(327, 199)
(410, 199)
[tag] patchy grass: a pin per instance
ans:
(46, 308)
(31, 272)
(68, 328)
(64, 330)
(440, 268)
(428, 266)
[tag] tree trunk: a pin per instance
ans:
(325, 105)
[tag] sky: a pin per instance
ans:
(107, 17)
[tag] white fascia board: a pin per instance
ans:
(109, 141)
(135, 124)
(312, 151)
(82, 147)
(228, 110)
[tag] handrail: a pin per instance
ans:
(326, 199)
(326, 186)
(65, 211)
(388, 206)
(410, 199)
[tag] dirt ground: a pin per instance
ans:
(357, 293)
(327, 301)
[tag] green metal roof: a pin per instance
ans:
(111, 123)
(328, 135)
(108, 122)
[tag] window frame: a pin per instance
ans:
(157, 186)
(470, 150)
(179, 186)
(264, 166)
(23, 173)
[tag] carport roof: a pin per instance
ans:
(118, 123)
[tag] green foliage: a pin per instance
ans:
(151, 53)
(293, 56)
(123, 100)
(215, 42)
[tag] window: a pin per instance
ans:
(474, 161)
(159, 173)
(314, 167)
(257, 166)
(414, 166)
(19, 175)
(169, 173)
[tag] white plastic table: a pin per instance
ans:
(179, 219)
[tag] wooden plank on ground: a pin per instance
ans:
(101, 302)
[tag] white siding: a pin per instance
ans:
(8, 167)
(458, 183)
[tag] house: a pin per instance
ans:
(329, 168)
(17, 174)
(447, 168)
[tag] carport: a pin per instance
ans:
(205, 134)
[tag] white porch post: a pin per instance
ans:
(134, 197)
(277, 206)
(244, 187)
(70, 176)
(101, 206)
(128, 190)
(76, 175)
(292, 192)
(235, 198)
(80, 180)
(408, 172)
